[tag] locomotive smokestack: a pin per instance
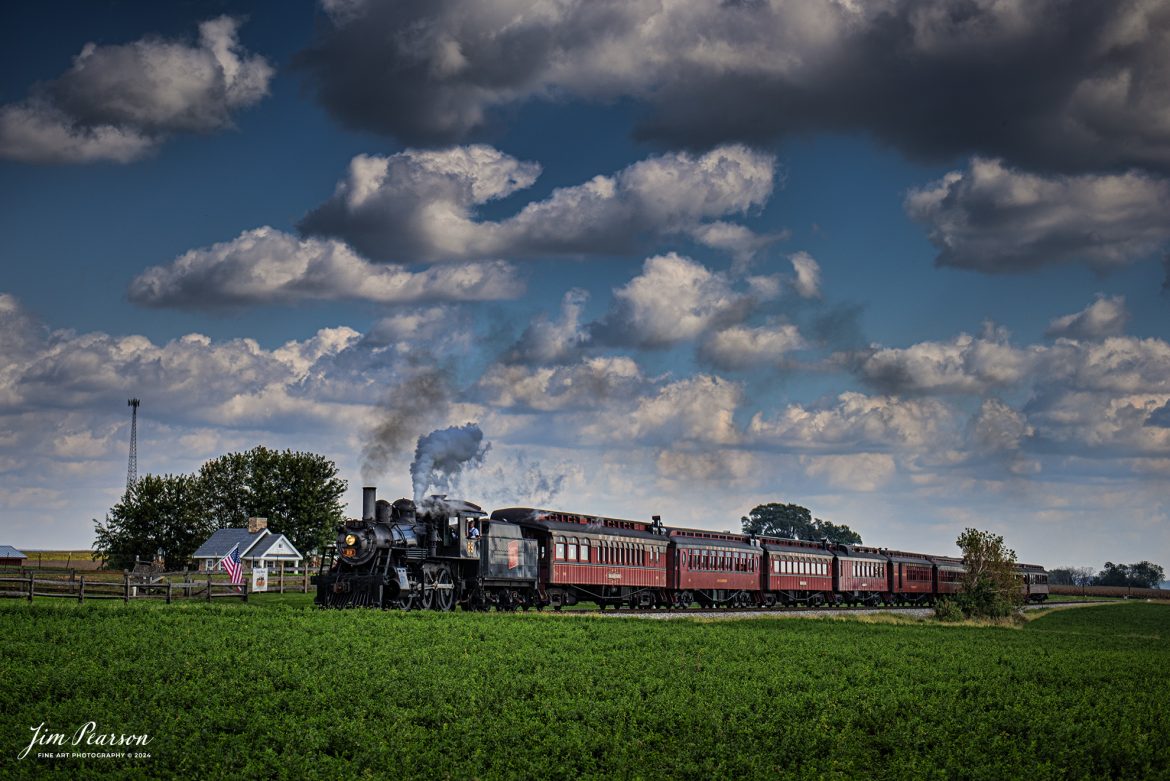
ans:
(369, 502)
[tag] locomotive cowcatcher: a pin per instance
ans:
(435, 554)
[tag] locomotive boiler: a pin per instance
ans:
(434, 554)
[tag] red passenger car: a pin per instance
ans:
(860, 575)
(608, 561)
(714, 569)
(948, 575)
(797, 572)
(911, 577)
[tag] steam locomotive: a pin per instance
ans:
(442, 552)
(434, 554)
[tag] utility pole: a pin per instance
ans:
(132, 467)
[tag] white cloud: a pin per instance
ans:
(418, 205)
(999, 428)
(684, 467)
(966, 364)
(738, 240)
(546, 341)
(39, 133)
(740, 347)
(119, 102)
(864, 472)
(854, 421)
(1088, 423)
(592, 383)
(673, 300)
(996, 219)
(191, 379)
(265, 265)
(697, 409)
(1104, 317)
(808, 275)
(1120, 365)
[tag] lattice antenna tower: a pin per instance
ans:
(132, 467)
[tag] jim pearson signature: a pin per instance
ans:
(87, 734)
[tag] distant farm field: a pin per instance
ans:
(275, 689)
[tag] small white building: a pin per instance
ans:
(259, 547)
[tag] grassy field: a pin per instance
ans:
(276, 689)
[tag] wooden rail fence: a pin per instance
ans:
(168, 587)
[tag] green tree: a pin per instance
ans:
(157, 513)
(1144, 574)
(989, 587)
(299, 493)
(794, 522)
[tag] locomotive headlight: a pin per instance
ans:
(350, 539)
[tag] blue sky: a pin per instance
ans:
(672, 259)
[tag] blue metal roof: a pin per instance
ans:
(220, 544)
(9, 552)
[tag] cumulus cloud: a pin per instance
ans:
(965, 364)
(854, 421)
(547, 341)
(265, 265)
(999, 428)
(1104, 424)
(1117, 365)
(1048, 84)
(589, 384)
(190, 379)
(1104, 317)
(419, 205)
(808, 275)
(740, 347)
(863, 472)
(707, 466)
(673, 300)
(993, 218)
(697, 409)
(978, 365)
(119, 102)
(740, 242)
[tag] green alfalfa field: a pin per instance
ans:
(277, 689)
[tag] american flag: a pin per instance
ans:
(231, 563)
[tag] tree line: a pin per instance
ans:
(1144, 574)
(791, 521)
(172, 515)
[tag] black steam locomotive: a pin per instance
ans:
(433, 555)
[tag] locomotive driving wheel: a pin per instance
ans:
(438, 589)
(444, 590)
